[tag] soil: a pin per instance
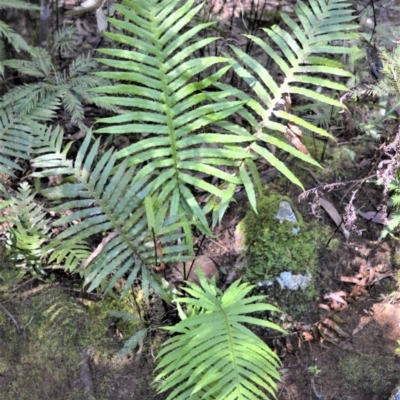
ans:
(318, 362)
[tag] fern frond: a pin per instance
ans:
(103, 202)
(136, 339)
(299, 57)
(162, 100)
(17, 5)
(17, 41)
(29, 231)
(71, 89)
(212, 354)
(15, 141)
(63, 39)
(40, 66)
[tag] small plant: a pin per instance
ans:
(212, 354)
(313, 370)
(398, 348)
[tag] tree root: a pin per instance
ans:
(86, 375)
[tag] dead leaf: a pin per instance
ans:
(333, 213)
(338, 296)
(337, 319)
(99, 248)
(161, 265)
(334, 326)
(307, 336)
(295, 135)
(327, 334)
(376, 217)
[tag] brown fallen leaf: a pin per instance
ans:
(376, 217)
(334, 214)
(99, 248)
(307, 336)
(334, 326)
(295, 135)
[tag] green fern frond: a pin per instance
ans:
(69, 88)
(29, 231)
(17, 41)
(104, 203)
(6, 33)
(136, 339)
(156, 86)
(300, 57)
(17, 5)
(213, 355)
(15, 141)
(63, 39)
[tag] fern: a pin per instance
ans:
(300, 55)
(136, 339)
(158, 95)
(162, 100)
(105, 202)
(13, 38)
(15, 141)
(29, 231)
(212, 354)
(71, 87)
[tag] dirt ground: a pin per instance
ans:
(357, 362)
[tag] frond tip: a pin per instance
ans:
(212, 354)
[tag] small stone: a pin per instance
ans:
(286, 213)
(287, 280)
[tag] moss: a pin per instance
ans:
(55, 329)
(272, 248)
(370, 375)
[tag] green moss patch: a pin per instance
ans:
(369, 375)
(272, 247)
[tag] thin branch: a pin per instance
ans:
(11, 317)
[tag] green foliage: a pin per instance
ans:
(69, 88)
(136, 319)
(323, 22)
(7, 34)
(162, 63)
(137, 338)
(29, 231)
(148, 192)
(393, 222)
(212, 354)
(162, 101)
(15, 140)
(105, 203)
(183, 142)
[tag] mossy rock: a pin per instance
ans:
(369, 375)
(273, 247)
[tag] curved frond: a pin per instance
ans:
(156, 86)
(101, 203)
(299, 54)
(18, 5)
(15, 141)
(29, 229)
(213, 355)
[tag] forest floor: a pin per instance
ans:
(40, 360)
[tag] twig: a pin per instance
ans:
(11, 317)
(17, 287)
